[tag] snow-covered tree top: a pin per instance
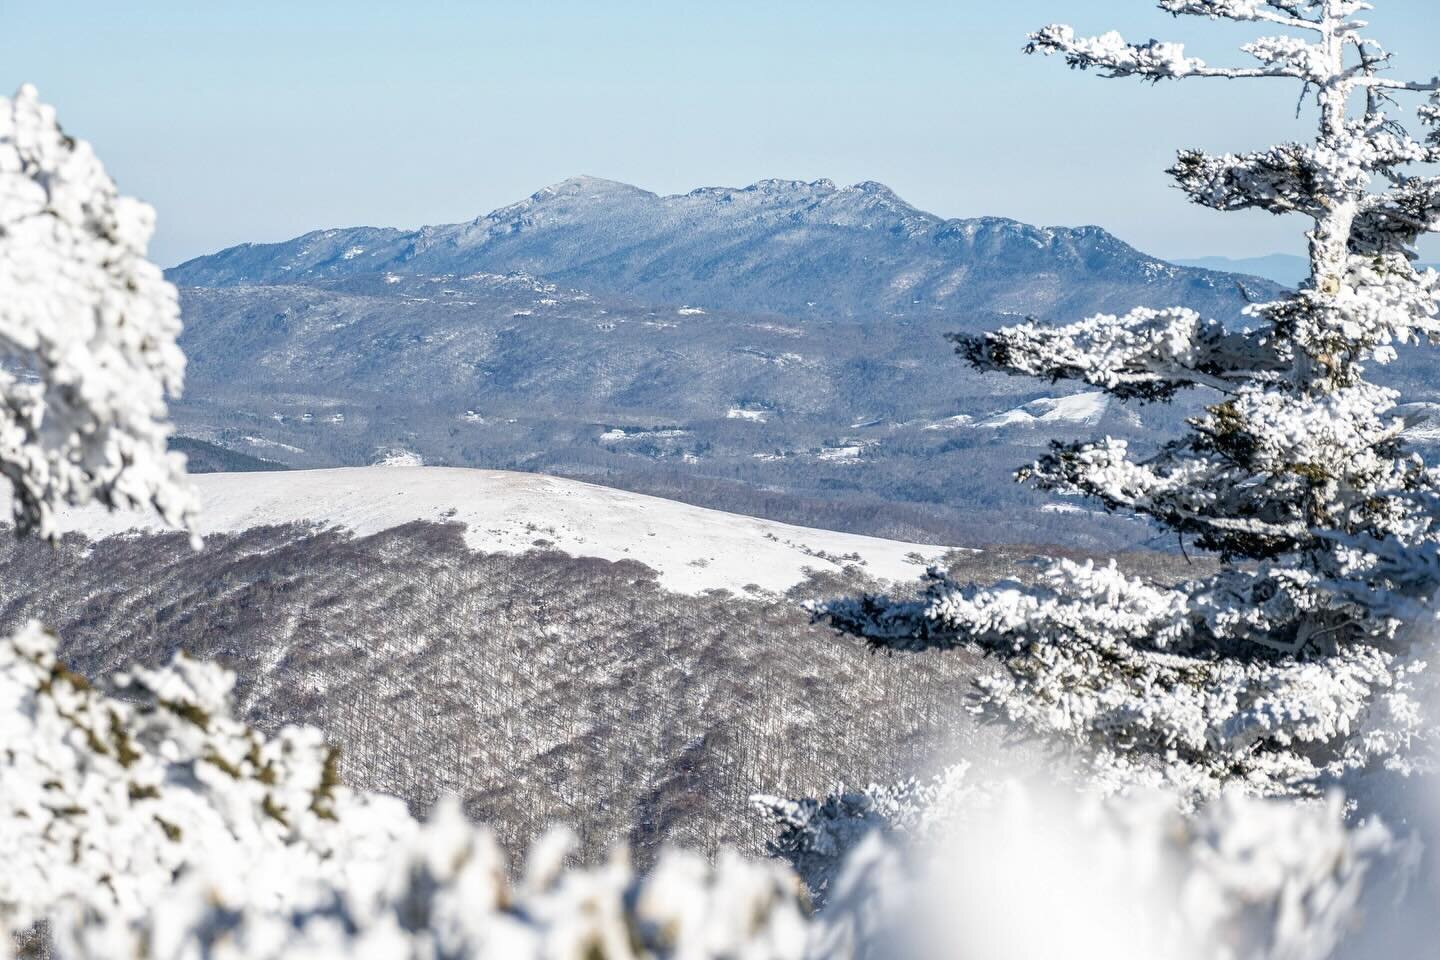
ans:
(88, 331)
(1300, 440)
(1320, 61)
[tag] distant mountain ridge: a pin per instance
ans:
(778, 246)
(1283, 268)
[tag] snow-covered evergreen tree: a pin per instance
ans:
(1290, 664)
(88, 331)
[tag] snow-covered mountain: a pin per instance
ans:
(801, 249)
(773, 350)
(691, 549)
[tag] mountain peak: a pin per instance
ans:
(874, 187)
(586, 184)
(776, 185)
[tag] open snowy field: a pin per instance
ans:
(692, 548)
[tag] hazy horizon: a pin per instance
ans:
(261, 123)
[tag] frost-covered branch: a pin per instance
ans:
(1147, 354)
(1392, 222)
(1296, 178)
(1153, 60)
(818, 837)
(1429, 114)
(1147, 680)
(1410, 86)
(1284, 14)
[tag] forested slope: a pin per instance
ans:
(539, 687)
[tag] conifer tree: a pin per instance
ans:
(88, 330)
(1290, 665)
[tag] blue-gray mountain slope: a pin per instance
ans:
(799, 249)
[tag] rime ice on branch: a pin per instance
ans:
(1289, 664)
(87, 333)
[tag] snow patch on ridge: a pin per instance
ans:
(693, 549)
(399, 458)
(951, 423)
(1084, 409)
(275, 444)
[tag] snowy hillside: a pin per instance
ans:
(538, 687)
(692, 549)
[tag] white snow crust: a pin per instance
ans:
(692, 548)
(1079, 408)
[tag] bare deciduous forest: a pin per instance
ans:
(539, 688)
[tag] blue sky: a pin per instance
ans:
(261, 120)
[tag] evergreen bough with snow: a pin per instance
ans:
(1290, 665)
(88, 330)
